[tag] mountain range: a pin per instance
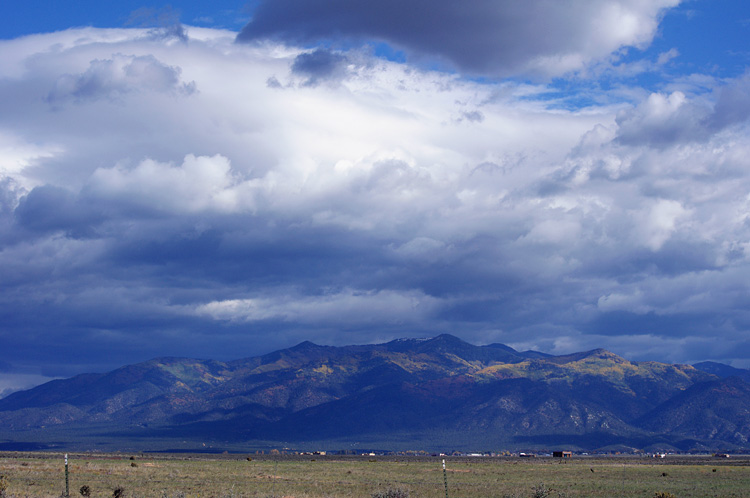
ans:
(434, 394)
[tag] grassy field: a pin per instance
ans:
(176, 476)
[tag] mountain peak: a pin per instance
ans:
(447, 340)
(437, 343)
(497, 345)
(598, 353)
(304, 346)
(602, 353)
(446, 343)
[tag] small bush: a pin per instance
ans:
(664, 494)
(392, 493)
(118, 493)
(3, 485)
(133, 464)
(540, 491)
(85, 491)
(177, 494)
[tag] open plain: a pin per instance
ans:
(314, 476)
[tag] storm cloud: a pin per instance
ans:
(487, 37)
(203, 197)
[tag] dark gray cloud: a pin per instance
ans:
(52, 209)
(481, 37)
(320, 65)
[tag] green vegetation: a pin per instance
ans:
(41, 475)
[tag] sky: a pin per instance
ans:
(220, 180)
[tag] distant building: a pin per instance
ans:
(562, 454)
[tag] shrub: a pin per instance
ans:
(664, 494)
(85, 491)
(392, 493)
(118, 493)
(177, 494)
(3, 485)
(540, 491)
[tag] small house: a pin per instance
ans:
(562, 454)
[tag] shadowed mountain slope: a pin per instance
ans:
(409, 389)
(723, 371)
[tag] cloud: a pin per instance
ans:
(18, 154)
(51, 209)
(385, 200)
(664, 120)
(166, 20)
(666, 57)
(485, 37)
(111, 78)
(10, 383)
(657, 222)
(320, 65)
(733, 105)
(198, 184)
(348, 307)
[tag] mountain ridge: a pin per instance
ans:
(411, 389)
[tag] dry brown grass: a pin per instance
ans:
(42, 475)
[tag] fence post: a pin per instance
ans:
(67, 482)
(445, 479)
(275, 477)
